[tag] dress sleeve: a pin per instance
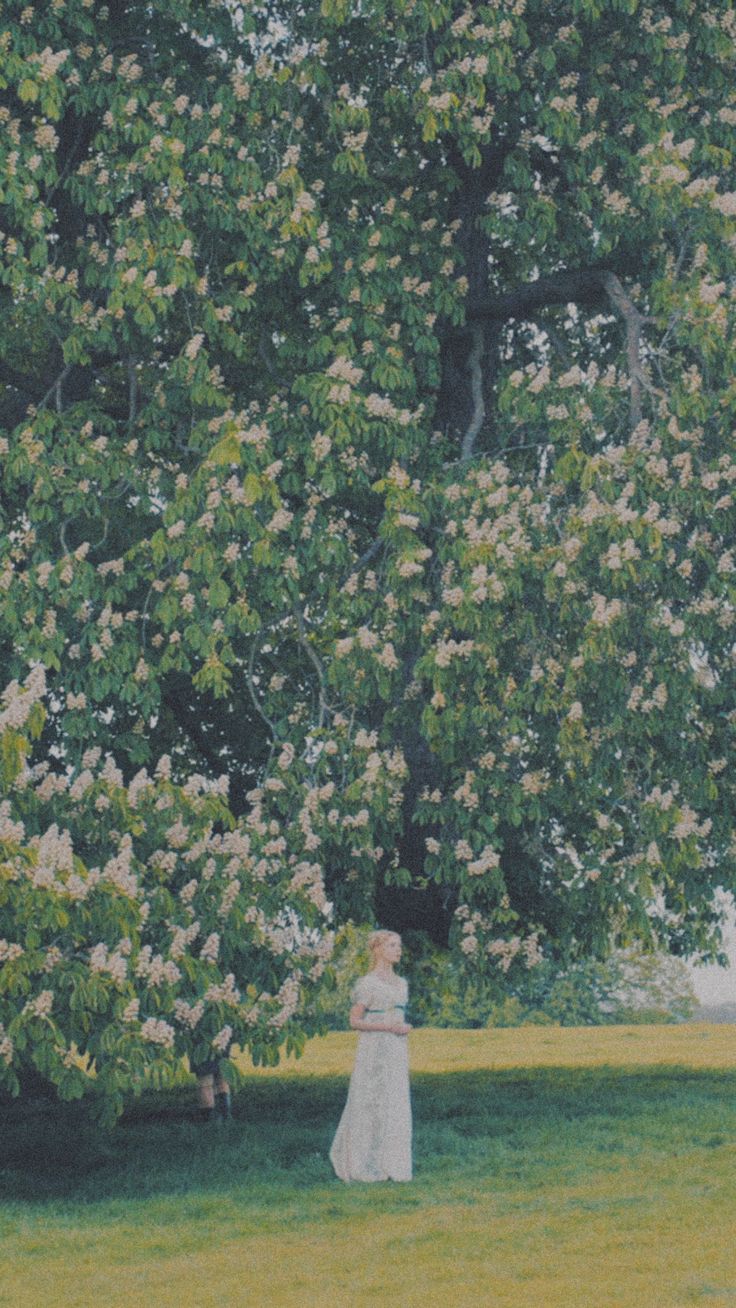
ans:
(362, 991)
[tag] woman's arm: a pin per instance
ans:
(358, 1022)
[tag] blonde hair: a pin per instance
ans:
(379, 938)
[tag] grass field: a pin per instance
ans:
(554, 1167)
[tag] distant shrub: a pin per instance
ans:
(628, 987)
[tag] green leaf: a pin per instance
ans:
(252, 488)
(226, 451)
(219, 593)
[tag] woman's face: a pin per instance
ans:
(390, 950)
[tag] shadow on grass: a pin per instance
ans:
(466, 1123)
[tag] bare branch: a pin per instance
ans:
(132, 395)
(591, 286)
(54, 392)
(304, 642)
(145, 618)
(558, 344)
(672, 322)
(680, 258)
(475, 359)
(254, 694)
(103, 537)
(268, 361)
(634, 321)
(121, 487)
(581, 286)
(366, 556)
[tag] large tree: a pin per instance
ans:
(367, 391)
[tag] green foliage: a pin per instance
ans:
(627, 987)
(113, 972)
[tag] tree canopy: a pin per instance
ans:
(367, 375)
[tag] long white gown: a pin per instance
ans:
(373, 1139)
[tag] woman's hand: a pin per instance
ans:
(358, 1023)
(400, 1028)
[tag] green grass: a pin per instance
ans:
(553, 1168)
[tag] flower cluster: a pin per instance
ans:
(161, 1002)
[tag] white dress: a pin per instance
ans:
(373, 1139)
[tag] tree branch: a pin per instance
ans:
(475, 359)
(253, 694)
(558, 345)
(634, 322)
(55, 389)
(132, 395)
(301, 626)
(582, 286)
(365, 558)
(103, 537)
(592, 286)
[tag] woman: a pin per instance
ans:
(373, 1140)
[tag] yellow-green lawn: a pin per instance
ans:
(554, 1167)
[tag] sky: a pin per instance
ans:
(717, 985)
